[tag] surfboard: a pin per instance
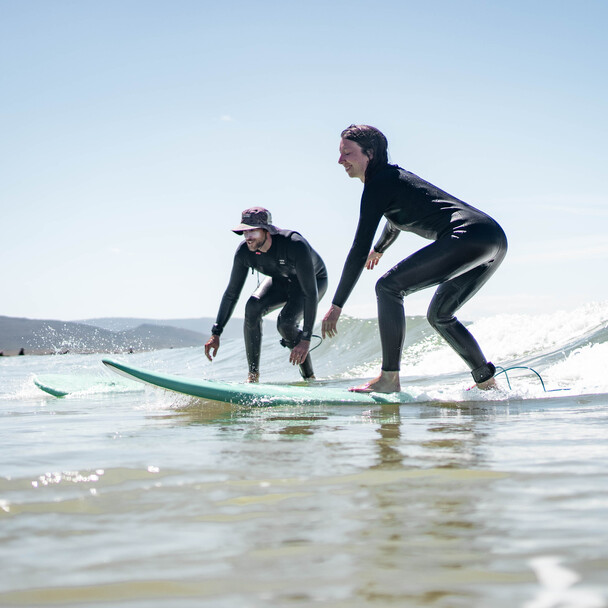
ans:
(61, 385)
(255, 394)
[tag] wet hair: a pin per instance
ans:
(373, 143)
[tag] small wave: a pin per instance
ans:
(569, 349)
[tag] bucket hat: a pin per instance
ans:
(256, 217)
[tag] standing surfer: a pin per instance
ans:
(297, 280)
(467, 248)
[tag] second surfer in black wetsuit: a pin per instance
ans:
(467, 248)
(297, 280)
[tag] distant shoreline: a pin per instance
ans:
(22, 337)
(45, 352)
(117, 335)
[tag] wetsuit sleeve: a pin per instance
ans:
(232, 293)
(369, 217)
(387, 238)
(305, 271)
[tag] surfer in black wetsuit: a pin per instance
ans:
(467, 248)
(297, 280)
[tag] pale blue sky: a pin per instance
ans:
(134, 132)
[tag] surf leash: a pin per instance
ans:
(504, 371)
(318, 344)
(284, 343)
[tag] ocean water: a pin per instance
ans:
(125, 495)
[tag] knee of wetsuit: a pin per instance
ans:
(385, 286)
(381, 286)
(484, 372)
(432, 318)
(253, 310)
(435, 320)
(288, 328)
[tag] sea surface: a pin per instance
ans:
(125, 495)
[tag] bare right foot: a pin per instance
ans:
(253, 378)
(488, 385)
(386, 382)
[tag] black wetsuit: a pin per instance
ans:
(297, 281)
(468, 247)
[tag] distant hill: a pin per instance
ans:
(202, 325)
(37, 337)
(32, 336)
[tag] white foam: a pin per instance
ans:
(513, 340)
(556, 582)
(584, 370)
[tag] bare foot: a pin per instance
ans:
(253, 377)
(386, 382)
(488, 385)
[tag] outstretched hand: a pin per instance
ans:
(299, 352)
(330, 321)
(372, 259)
(211, 347)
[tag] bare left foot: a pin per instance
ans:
(386, 382)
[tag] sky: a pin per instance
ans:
(134, 132)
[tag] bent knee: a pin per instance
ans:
(386, 286)
(254, 309)
(437, 319)
(287, 327)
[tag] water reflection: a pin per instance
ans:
(388, 443)
(425, 521)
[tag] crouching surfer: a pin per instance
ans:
(297, 280)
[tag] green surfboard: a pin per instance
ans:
(255, 394)
(61, 385)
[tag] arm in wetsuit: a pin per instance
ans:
(369, 217)
(229, 300)
(373, 203)
(301, 254)
(387, 238)
(233, 291)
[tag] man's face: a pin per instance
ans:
(254, 238)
